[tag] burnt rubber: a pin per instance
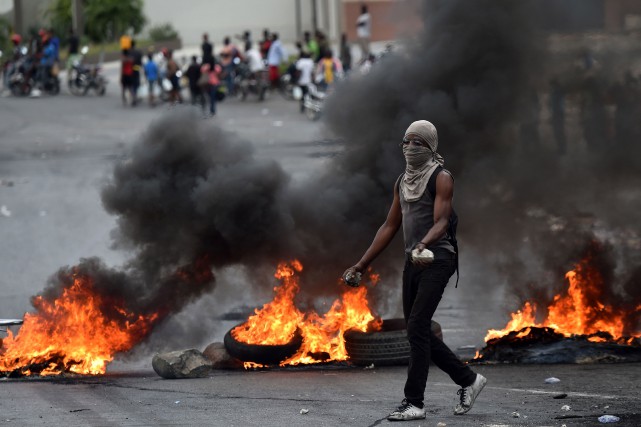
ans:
(263, 354)
(389, 346)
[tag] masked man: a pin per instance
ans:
(431, 259)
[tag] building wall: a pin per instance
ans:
(390, 18)
(220, 18)
(618, 13)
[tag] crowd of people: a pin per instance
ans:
(216, 74)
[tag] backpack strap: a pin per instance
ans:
(431, 186)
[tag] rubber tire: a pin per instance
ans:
(263, 354)
(386, 347)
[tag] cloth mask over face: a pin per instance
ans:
(420, 161)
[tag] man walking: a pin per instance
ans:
(423, 205)
(275, 57)
(364, 31)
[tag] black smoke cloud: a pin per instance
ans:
(192, 197)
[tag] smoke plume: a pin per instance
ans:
(192, 198)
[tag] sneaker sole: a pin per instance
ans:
(406, 419)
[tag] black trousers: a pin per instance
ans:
(422, 291)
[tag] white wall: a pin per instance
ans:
(219, 18)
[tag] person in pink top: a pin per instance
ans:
(227, 56)
(212, 71)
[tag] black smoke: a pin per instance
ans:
(193, 199)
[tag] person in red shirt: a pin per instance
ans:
(126, 75)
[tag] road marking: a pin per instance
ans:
(534, 391)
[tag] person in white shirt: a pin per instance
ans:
(254, 59)
(305, 66)
(364, 31)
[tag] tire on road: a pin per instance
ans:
(262, 354)
(386, 347)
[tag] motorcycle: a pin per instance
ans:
(313, 102)
(84, 78)
(251, 83)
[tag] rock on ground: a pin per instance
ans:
(181, 364)
(220, 358)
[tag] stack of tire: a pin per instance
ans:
(386, 347)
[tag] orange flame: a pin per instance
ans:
(72, 333)
(277, 321)
(578, 311)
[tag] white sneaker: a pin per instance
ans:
(407, 412)
(468, 395)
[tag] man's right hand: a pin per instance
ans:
(352, 276)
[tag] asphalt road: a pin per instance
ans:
(55, 154)
(514, 396)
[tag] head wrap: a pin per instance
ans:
(420, 161)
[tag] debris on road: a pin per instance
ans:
(560, 396)
(369, 367)
(605, 419)
(181, 364)
(220, 358)
(516, 415)
(6, 183)
(552, 380)
(4, 211)
(278, 123)
(304, 411)
(441, 424)
(565, 407)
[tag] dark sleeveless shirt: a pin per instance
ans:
(418, 218)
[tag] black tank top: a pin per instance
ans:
(418, 218)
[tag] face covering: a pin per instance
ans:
(420, 164)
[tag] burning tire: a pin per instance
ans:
(262, 354)
(389, 346)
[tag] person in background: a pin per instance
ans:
(323, 45)
(151, 74)
(136, 57)
(275, 57)
(212, 70)
(55, 43)
(305, 67)
(246, 38)
(207, 48)
(265, 43)
(328, 70)
(367, 64)
(11, 64)
(364, 31)
(345, 54)
(125, 42)
(193, 75)
(126, 74)
(172, 75)
(311, 46)
(227, 56)
(74, 53)
(254, 60)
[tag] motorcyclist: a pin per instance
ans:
(46, 63)
(14, 59)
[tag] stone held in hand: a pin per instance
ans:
(220, 358)
(181, 364)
